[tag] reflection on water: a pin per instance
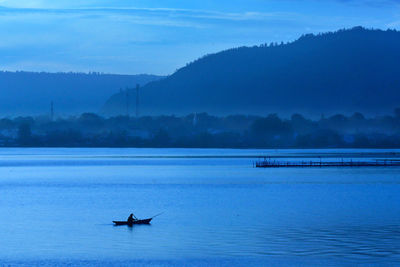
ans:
(344, 242)
(218, 211)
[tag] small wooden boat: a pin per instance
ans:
(144, 221)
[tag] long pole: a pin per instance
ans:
(137, 100)
(127, 102)
(158, 214)
(52, 111)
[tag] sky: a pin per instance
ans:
(160, 36)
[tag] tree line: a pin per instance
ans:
(203, 131)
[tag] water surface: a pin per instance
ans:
(56, 207)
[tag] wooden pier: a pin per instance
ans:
(320, 164)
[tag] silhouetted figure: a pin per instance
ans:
(131, 218)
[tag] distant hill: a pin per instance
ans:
(344, 71)
(30, 93)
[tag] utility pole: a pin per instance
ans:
(137, 99)
(127, 101)
(51, 111)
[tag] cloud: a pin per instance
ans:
(371, 3)
(170, 13)
(227, 4)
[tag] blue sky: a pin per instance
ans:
(157, 37)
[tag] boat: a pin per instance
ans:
(144, 221)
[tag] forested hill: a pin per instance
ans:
(30, 93)
(344, 71)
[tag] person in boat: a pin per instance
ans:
(131, 218)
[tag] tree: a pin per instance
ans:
(24, 134)
(397, 112)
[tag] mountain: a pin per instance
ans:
(343, 71)
(30, 93)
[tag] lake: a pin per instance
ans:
(57, 207)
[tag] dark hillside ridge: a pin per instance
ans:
(344, 71)
(30, 93)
